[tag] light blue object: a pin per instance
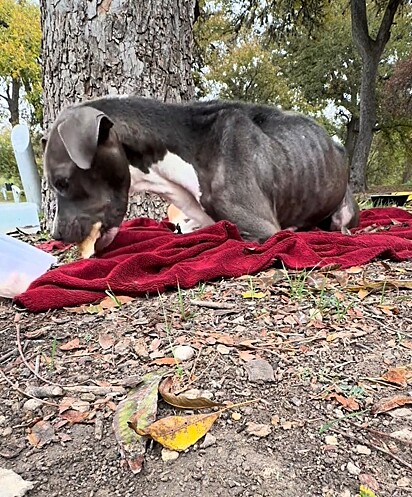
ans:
(23, 215)
(23, 150)
(20, 265)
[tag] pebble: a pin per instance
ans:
(88, 396)
(405, 434)
(184, 352)
(331, 440)
(362, 449)
(222, 349)
(208, 441)
(352, 469)
(169, 455)
(32, 404)
(403, 482)
(259, 370)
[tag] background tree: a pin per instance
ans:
(307, 52)
(101, 47)
(20, 70)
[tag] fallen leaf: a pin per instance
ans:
(363, 293)
(106, 341)
(180, 432)
(166, 361)
(225, 339)
(72, 345)
(41, 433)
(368, 480)
(355, 270)
(165, 390)
(246, 356)
(140, 347)
(139, 408)
(390, 403)
(398, 376)
(253, 295)
(347, 402)
(74, 416)
(366, 492)
(115, 301)
(258, 430)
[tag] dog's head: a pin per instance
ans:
(87, 167)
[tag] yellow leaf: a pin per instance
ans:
(253, 295)
(366, 492)
(180, 432)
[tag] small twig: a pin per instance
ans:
(212, 305)
(9, 354)
(37, 375)
(376, 447)
(26, 394)
(379, 433)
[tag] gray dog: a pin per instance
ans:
(254, 165)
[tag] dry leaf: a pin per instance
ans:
(363, 293)
(117, 301)
(165, 390)
(164, 361)
(106, 341)
(253, 295)
(180, 432)
(72, 345)
(86, 247)
(390, 403)
(224, 339)
(258, 430)
(349, 403)
(398, 376)
(41, 434)
(369, 480)
(246, 355)
(354, 270)
(74, 416)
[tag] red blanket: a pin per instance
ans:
(147, 257)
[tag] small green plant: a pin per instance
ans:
(200, 290)
(53, 351)
(168, 329)
(305, 374)
(111, 294)
(327, 426)
(184, 314)
(297, 284)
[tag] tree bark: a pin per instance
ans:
(352, 131)
(104, 47)
(13, 101)
(370, 51)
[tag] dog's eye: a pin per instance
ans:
(61, 184)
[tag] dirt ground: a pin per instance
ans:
(335, 353)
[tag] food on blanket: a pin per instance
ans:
(180, 220)
(86, 247)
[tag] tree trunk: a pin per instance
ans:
(367, 122)
(352, 131)
(370, 51)
(102, 47)
(13, 102)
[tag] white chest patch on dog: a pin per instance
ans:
(176, 181)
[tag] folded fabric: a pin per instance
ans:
(148, 257)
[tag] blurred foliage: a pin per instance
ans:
(20, 41)
(303, 58)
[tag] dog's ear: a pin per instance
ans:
(81, 132)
